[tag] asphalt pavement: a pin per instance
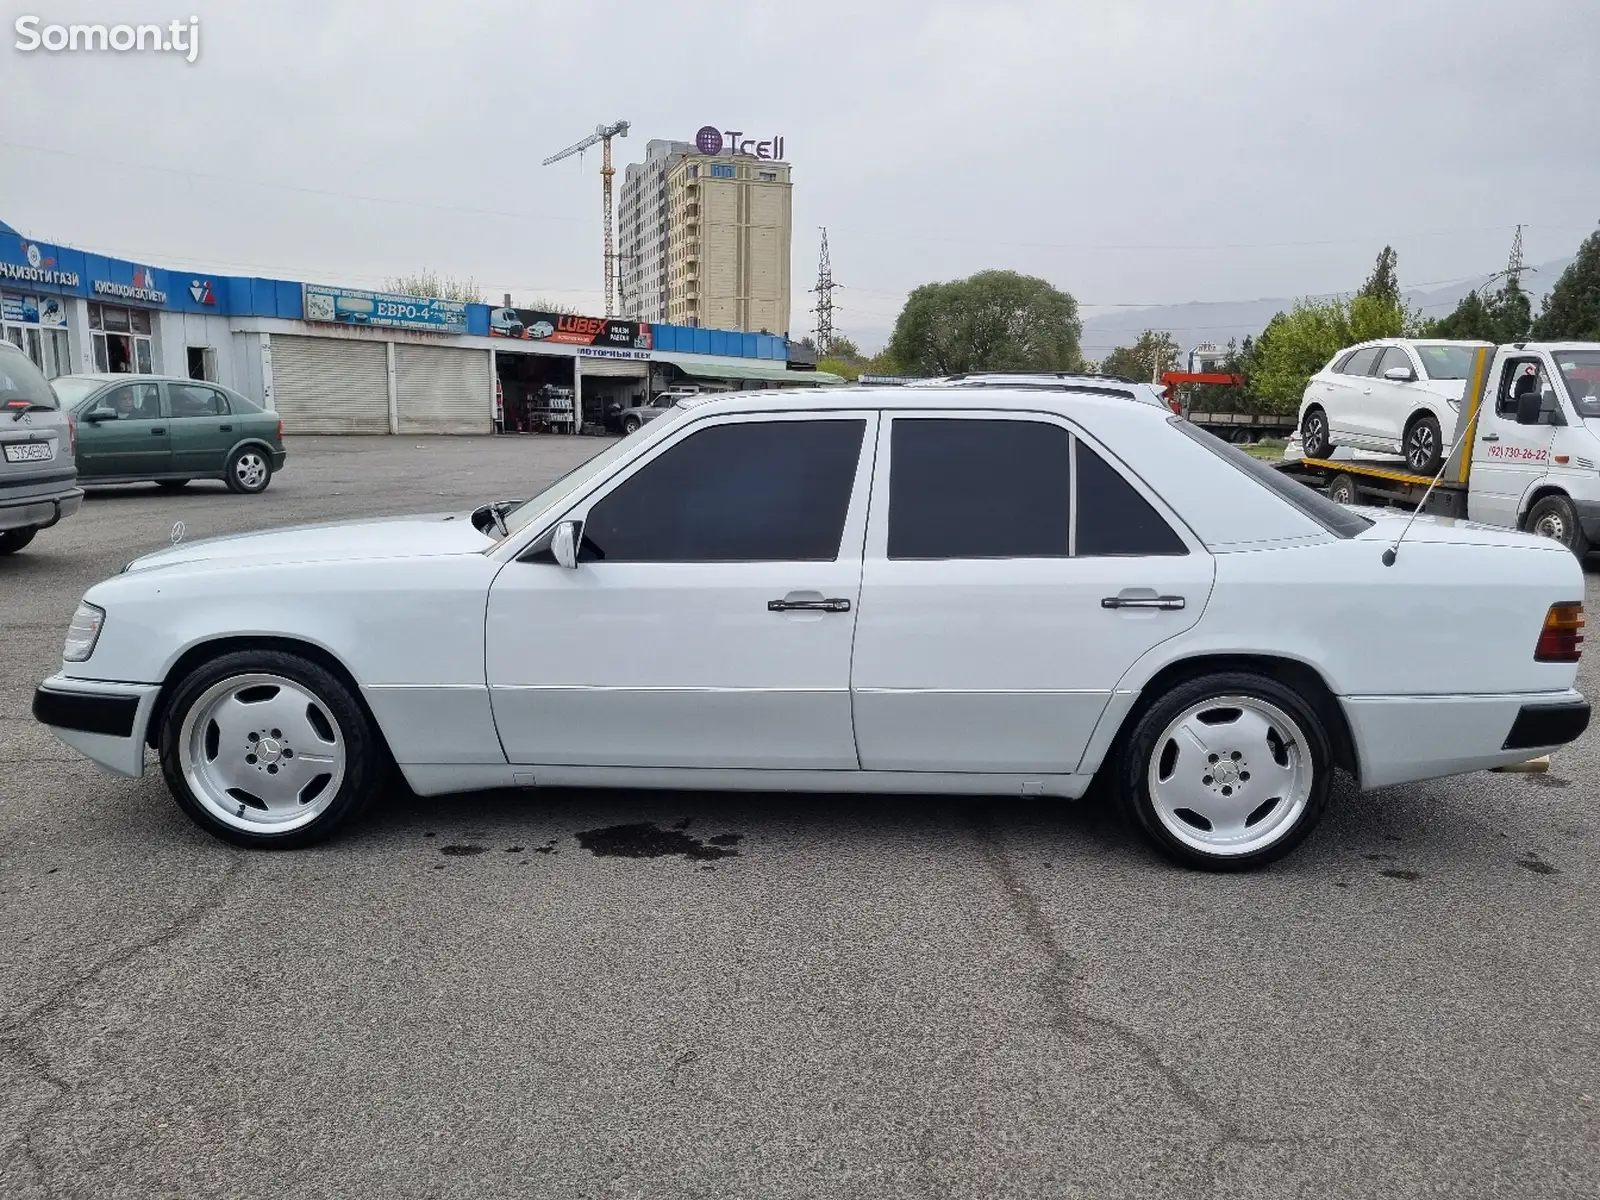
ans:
(762, 995)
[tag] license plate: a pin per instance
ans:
(30, 451)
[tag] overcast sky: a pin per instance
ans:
(1131, 152)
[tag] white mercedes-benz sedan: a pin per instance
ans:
(992, 586)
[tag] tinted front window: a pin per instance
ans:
(1335, 518)
(1447, 362)
(1361, 362)
(978, 489)
(135, 402)
(22, 382)
(757, 491)
(1113, 518)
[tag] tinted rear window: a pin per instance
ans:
(1335, 518)
(23, 382)
(1113, 518)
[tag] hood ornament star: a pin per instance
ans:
(177, 532)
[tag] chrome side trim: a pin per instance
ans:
(630, 687)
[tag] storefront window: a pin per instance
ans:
(121, 340)
(37, 325)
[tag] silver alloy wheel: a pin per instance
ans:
(1316, 433)
(1230, 775)
(1420, 447)
(1551, 524)
(262, 753)
(250, 469)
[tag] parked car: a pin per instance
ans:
(965, 589)
(629, 419)
(1397, 395)
(38, 481)
(134, 428)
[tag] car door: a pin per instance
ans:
(1509, 457)
(1391, 401)
(1013, 573)
(708, 622)
(131, 439)
(1346, 392)
(202, 428)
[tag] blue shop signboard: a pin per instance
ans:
(344, 306)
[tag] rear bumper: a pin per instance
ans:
(1400, 739)
(278, 457)
(29, 512)
(1589, 518)
(105, 722)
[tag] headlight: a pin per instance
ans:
(84, 632)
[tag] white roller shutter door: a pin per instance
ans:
(635, 367)
(330, 385)
(443, 389)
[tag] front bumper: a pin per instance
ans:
(105, 722)
(1401, 739)
(39, 512)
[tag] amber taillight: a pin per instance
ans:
(1561, 639)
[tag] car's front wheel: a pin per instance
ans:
(1555, 517)
(248, 470)
(1314, 434)
(12, 540)
(1424, 446)
(268, 750)
(1226, 772)
(630, 425)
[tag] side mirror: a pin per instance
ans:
(1400, 375)
(565, 541)
(1529, 405)
(96, 415)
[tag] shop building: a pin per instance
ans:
(342, 360)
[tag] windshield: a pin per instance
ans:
(1446, 362)
(72, 389)
(1580, 371)
(574, 480)
(21, 383)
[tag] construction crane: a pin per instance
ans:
(602, 134)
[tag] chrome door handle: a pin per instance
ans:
(1491, 437)
(1164, 602)
(835, 606)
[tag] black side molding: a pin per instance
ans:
(1547, 725)
(86, 712)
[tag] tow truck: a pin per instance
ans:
(1526, 453)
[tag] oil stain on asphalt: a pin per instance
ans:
(645, 840)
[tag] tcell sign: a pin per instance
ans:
(711, 140)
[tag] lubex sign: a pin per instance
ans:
(711, 140)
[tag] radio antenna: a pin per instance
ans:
(1393, 551)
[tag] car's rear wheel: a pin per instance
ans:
(1314, 434)
(268, 750)
(1556, 517)
(172, 485)
(1424, 446)
(1226, 772)
(248, 470)
(13, 540)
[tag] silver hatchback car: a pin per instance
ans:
(38, 468)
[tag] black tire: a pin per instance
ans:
(367, 758)
(630, 425)
(1424, 445)
(1556, 517)
(1314, 437)
(1343, 490)
(13, 540)
(249, 470)
(172, 485)
(1134, 763)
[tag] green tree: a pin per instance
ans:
(1229, 397)
(1151, 354)
(431, 284)
(991, 321)
(1384, 282)
(1572, 309)
(1505, 315)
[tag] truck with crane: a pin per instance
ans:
(1231, 426)
(1526, 453)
